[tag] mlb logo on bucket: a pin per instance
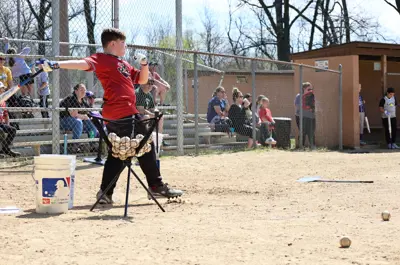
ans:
(45, 201)
(55, 187)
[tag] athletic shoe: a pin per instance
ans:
(362, 143)
(270, 140)
(165, 191)
(390, 146)
(394, 146)
(9, 152)
(107, 199)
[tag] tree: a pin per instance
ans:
(211, 39)
(40, 13)
(90, 22)
(278, 26)
(237, 41)
(396, 6)
(8, 20)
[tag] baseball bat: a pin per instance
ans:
(367, 122)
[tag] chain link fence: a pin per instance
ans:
(209, 101)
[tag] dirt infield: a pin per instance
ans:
(240, 208)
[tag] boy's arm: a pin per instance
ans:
(144, 74)
(73, 65)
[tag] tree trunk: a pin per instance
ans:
(90, 23)
(314, 21)
(282, 30)
(346, 20)
(41, 25)
(324, 10)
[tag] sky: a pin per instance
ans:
(137, 15)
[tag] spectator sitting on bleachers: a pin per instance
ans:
(145, 102)
(90, 97)
(237, 114)
(249, 113)
(217, 111)
(6, 128)
(74, 120)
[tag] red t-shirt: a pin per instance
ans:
(117, 78)
(265, 114)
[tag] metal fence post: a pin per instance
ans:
(89, 76)
(185, 85)
(179, 90)
(340, 108)
(254, 107)
(196, 104)
(55, 7)
(301, 107)
(115, 14)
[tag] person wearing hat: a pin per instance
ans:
(74, 120)
(90, 97)
(6, 128)
(161, 86)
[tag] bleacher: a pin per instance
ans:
(35, 134)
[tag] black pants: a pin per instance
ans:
(309, 130)
(114, 165)
(393, 125)
(10, 131)
(44, 103)
(245, 130)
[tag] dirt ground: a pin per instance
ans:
(239, 208)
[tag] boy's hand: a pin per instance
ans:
(48, 66)
(141, 59)
(387, 113)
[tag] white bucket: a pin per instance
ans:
(54, 175)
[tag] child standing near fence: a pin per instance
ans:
(43, 91)
(267, 122)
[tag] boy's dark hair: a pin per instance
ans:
(390, 90)
(248, 95)
(111, 34)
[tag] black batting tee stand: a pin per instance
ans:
(97, 121)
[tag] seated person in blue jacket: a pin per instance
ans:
(76, 121)
(218, 108)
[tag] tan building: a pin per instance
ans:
(375, 66)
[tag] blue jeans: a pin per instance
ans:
(77, 126)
